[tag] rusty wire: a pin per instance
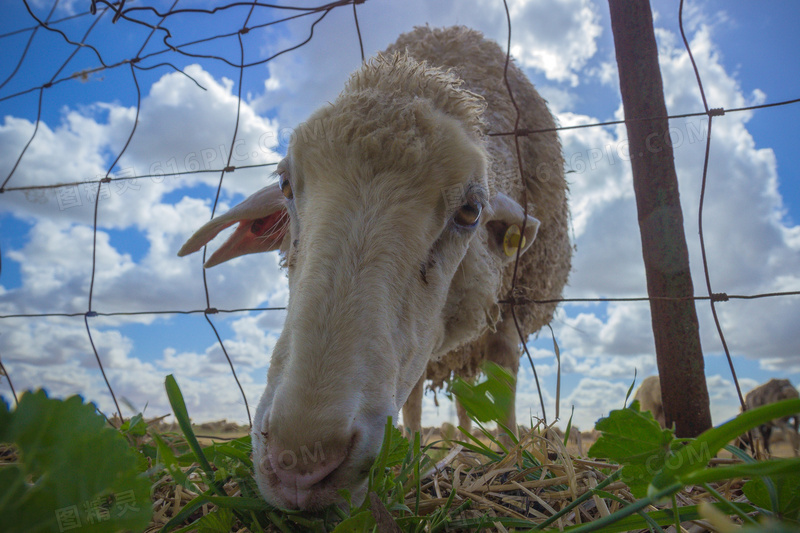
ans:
(129, 14)
(4, 373)
(711, 113)
(521, 169)
(719, 297)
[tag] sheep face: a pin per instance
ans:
(374, 249)
(386, 271)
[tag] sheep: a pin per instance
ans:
(542, 273)
(500, 346)
(649, 396)
(399, 220)
(770, 392)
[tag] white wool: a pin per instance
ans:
(543, 270)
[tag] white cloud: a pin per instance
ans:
(55, 265)
(557, 38)
(723, 397)
(750, 243)
(606, 73)
(69, 7)
(58, 355)
(49, 266)
(56, 261)
(748, 237)
(594, 398)
(181, 127)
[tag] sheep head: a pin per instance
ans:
(395, 243)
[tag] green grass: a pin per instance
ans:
(61, 454)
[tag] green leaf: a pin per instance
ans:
(238, 450)
(166, 458)
(651, 454)
(398, 447)
(74, 470)
(775, 468)
(392, 452)
(479, 447)
(217, 521)
(223, 502)
(237, 502)
(788, 491)
(664, 517)
(182, 415)
(569, 426)
(361, 522)
(635, 440)
(134, 426)
(630, 389)
(489, 400)
(186, 512)
(695, 454)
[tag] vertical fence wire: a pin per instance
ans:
(4, 373)
(521, 170)
(711, 114)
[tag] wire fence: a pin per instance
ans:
(162, 26)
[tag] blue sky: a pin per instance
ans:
(745, 54)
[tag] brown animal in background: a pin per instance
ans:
(649, 396)
(773, 391)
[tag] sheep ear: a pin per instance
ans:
(505, 227)
(262, 220)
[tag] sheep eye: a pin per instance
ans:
(468, 214)
(286, 187)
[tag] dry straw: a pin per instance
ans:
(489, 490)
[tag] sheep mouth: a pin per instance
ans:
(352, 474)
(322, 494)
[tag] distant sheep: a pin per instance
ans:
(400, 221)
(773, 391)
(649, 396)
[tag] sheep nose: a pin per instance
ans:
(300, 471)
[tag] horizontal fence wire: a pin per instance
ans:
(519, 133)
(717, 297)
(134, 14)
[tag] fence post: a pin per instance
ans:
(666, 258)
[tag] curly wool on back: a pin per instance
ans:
(543, 271)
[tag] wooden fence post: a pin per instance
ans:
(666, 258)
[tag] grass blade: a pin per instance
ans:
(182, 415)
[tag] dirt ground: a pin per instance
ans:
(577, 445)
(579, 442)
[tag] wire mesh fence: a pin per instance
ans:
(226, 39)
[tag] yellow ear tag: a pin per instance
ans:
(512, 240)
